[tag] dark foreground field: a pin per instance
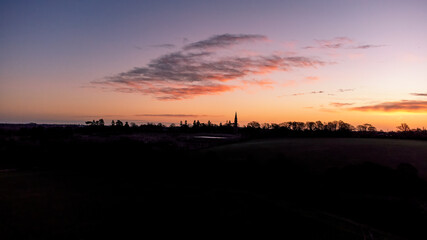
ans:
(85, 187)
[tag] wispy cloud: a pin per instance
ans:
(341, 43)
(289, 83)
(346, 90)
(266, 83)
(313, 92)
(187, 73)
(366, 46)
(310, 79)
(337, 42)
(178, 93)
(419, 94)
(172, 115)
(338, 104)
(399, 106)
(328, 110)
(224, 40)
(191, 91)
(101, 116)
(165, 45)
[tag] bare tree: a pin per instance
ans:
(343, 126)
(361, 128)
(366, 127)
(403, 127)
(372, 128)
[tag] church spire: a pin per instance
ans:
(235, 121)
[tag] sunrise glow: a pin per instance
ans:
(167, 61)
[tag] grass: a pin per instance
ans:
(129, 186)
(319, 154)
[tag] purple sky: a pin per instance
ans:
(272, 61)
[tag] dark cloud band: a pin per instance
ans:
(224, 40)
(400, 106)
(419, 94)
(185, 74)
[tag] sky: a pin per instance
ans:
(166, 61)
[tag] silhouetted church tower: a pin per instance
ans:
(235, 122)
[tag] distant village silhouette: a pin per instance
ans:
(254, 128)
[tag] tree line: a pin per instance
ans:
(333, 126)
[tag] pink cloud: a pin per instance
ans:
(289, 83)
(338, 104)
(310, 79)
(168, 93)
(265, 83)
(400, 106)
(337, 42)
(290, 45)
(202, 68)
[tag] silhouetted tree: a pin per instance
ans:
(320, 126)
(183, 125)
(284, 125)
(366, 127)
(372, 128)
(310, 126)
(361, 128)
(252, 124)
(100, 122)
(331, 126)
(119, 123)
(299, 126)
(292, 125)
(343, 126)
(113, 123)
(403, 127)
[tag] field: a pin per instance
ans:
(324, 188)
(319, 154)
